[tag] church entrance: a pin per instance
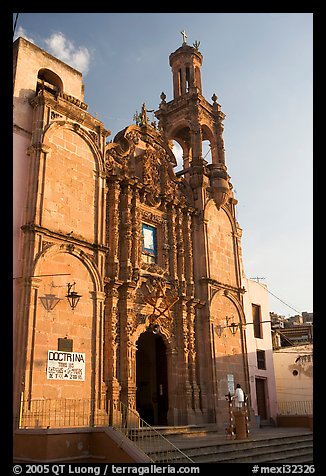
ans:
(151, 379)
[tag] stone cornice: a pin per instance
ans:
(31, 227)
(219, 285)
(71, 108)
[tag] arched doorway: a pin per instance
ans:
(151, 379)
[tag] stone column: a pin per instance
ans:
(172, 240)
(98, 394)
(110, 355)
(38, 153)
(125, 231)
(189, 270)
(165, 241)
(29, 319)
(196, 139)
(192, 359)
(112, 228)
(173, 378)
(127, 351)
(136, 231)
(183, 80)
(180, 251)
(101, 205)
(184, 389)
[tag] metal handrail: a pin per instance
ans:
(158, 448)
(74, 413)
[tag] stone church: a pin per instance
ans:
(125, 271)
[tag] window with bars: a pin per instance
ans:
(261, 360)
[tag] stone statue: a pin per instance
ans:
(141, 118)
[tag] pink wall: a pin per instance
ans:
(256, 293)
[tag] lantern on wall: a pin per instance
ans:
(72, 296)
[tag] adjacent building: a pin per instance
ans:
(293, 364)
(260, 351)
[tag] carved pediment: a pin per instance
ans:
(141, 153)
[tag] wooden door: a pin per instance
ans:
(261, 398)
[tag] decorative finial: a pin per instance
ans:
(183, 33)
(214, 98)
(196, 45)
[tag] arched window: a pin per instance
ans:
(48, 80)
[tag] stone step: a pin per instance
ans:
(254, 454)
(205, 444)
(219, 439)
(302, 456)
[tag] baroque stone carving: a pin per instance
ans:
(160, 298)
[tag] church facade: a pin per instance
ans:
(131, 269)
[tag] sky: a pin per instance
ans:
(260, 65)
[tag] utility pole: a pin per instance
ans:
(257, 278)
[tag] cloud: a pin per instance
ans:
(21, 32)
(65, 50)
(62, 48)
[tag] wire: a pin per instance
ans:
(264, 287)
(207, 153)
(17, 15)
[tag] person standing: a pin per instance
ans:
(238, 397)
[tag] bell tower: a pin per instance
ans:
(190, 120)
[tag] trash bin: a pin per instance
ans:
(257, 418)
(240, 425)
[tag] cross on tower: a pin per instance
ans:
(183, 33)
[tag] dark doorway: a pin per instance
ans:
(151, 379)
(261, 398)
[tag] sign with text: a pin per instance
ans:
(65, 365)
(230, 380)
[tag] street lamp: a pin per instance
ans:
(233, 326)
(72, 296)
(230, 324)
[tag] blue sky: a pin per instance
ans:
(260, 65)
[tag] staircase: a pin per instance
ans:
(204, 444)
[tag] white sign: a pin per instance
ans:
(65, 365)
(230, 379)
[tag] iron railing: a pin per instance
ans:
(74, 413)
(148, 439)
(60, 413)
(301, 407)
